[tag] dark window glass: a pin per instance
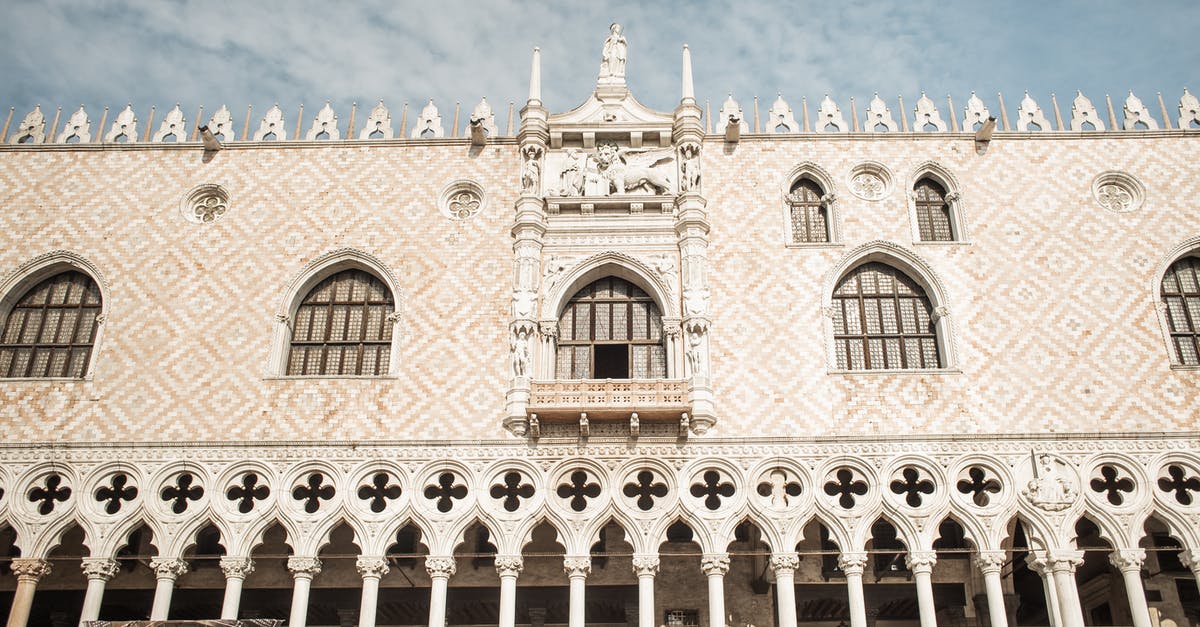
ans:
(882, 320)
(933, 212)
(1181, 294)
(810, 219)
(610, 330)
(50, 331)
(342, 327)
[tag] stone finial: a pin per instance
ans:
(326, 122)
(32, 129)
(780, 114)
(878, 114)
(483, 116)
(272, 124)
(731, 113)
(124, 126)
(379, 121)
(78, 126)
(430, 121)
(1136, 112)
(688, 95)
(221, 124)
(1029, 113)
(535, 77)
(926, 113)
(974, 113)
(1084, 112)
(828, 114)
(1189, 110)
(173, 124)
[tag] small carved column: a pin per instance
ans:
(1063, 563)
(29, 572)
(440, 570)
(577, 568)
(98, 571)
(372, 568)
(921, 564)
(989, 563)
(303, 570)
(548, 348)
(1191, 557)
(509, 567)
(853, 564)
(784, 565)
(645, 567)
(715, 565)
(166, 571)
(236, 570)
(1129, 562)
(1038, 563)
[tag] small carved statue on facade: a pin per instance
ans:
(695, 353)
(570, 178)
(1049, 489)
(531, 172)
(612, 60)
(520, 354)
(690, 169)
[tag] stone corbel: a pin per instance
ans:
(828, 199)
(938, 314)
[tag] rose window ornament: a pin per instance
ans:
(464, 205)
(1118, 192)
(870, 181)
(462, 200)
(205, 204)
(1114, 198)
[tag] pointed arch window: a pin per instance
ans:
(611, 329)
(934, 220)
(809, 213)
(342, 327)
(883, 320)
(51, 330)
(1181, 295)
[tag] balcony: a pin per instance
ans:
(609, 399)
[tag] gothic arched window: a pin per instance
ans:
(809, 216)
(342, 328)
(882, 320)
(934, 221)
(50, 331)
(1181, 293)
(610, 329)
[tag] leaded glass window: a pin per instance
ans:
(1181, 294)
(342, 327)
(933, 212)
(610, 329)
(882, 320)
(810, 218)
(51, 330)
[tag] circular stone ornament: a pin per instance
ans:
(462, 200)
(870, 181)
(1118, 192)
(205, 204)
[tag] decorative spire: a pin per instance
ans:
(535, 78)
(689, 92)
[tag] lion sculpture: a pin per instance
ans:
(628, 170)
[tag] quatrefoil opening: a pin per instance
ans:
(379, 492)
(778, 489)
(313, 491)
(182, 492)
(845, 487)
(1112, 485)
(247, 492)
(116, 493)
(445, 492)
(912, 486)
(645, 489)
(980, 485)
(511, 490)
(50, 493)
(578, 490)
(712, 489)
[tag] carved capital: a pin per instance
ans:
(577, 566)
(371, 566)
(1127, 560)
(853, 563)
(939, 313)
(29, 569)
(784, 563)
(304, 567)
(509, 565)
(828, 199)
(443, 567)
(548, 328)
(1038, 563)
(990, 561)
(282, 318)
(921, 561)
(1064, 560)
(100, 568)
(714, 564)
(645, 565)
(168, 568)
(237, 567)
(1191, 559)
(952, 197)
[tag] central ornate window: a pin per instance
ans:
(342, 327)
(882, 320)
(611, 329)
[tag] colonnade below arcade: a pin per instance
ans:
(817, 585)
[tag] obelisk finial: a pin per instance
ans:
(535, 78)
(689, 92)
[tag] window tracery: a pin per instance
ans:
(808, 207)
(611, 329)
(342, 327)
(934, 221)
(883, 321)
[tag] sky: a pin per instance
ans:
(212, 52)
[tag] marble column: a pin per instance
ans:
(303, 568)
(372, 568)
(440, 569)
(715, 565)
(98, 571)
(166, 571)
(646, 567)
(508, 567)
(989, 564)
(1191, 558)
(577, 568)
(1038, 564)
(1129, 562)
(784, 566)
(921, 564)
(1062, 565)
(236, 570)
(853, 564)
(29, 572)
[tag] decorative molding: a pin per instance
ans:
(173, 125)
(325, 123)
(1136, 113)
(78, 126)
(429, 123)
(378, 121)
(125, 125)
(780, 114)
(32, 129)
(272, 124)
(1030, 114)
(828, 114)
(926, 113)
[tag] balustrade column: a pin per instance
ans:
(166, 571)
(303, 570)
(509, 567)
(784, 565)
(440, 570)
(989, 564)
(646, 567)
(98, 571)
(1062, 564)
(1038, 564)
(28, 572)
(1129, 562)
(372, 568)
(853, 564)
(577, 568)
(715, 565)
(921, 564)
(236, 570)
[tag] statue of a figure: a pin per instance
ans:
(695, 355)
(531, 172)
(612, 61)
(570, 178)
(520, 350)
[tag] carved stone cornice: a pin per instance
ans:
(1127, 560)
(784, 563)
(852, 563)
(168, 568)
(990, 561)
(372, 566)
(440, 566)
(304, 567)
(237, 567)
(577, 566)
(921, 561)
(645, 565)
(100, 568)
(29, 570)
(714, 564)
(509, 565)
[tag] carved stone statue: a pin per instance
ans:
(531, 172)
(690, 168)
(520, 354)
(570, 179)
(1049, 489)
(627, 170)
(695, 354)
(612, 59)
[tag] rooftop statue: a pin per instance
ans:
(612, 60)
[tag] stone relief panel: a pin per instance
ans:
(870, 181)
(610, 170)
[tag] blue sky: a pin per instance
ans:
(210, 52)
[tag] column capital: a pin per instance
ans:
(785, 562)
(853, 562)
(1191, 559)
(1127, 560)
(577, 566)
(443, 566)
(100, 568)
(29, 569)
(168, 568)
(1064, 560)
(372, 566)
(645, 565)
(920, 561)
(509, 565)
(304, 567)
(990, 561)
(714, 564)
(237, 567)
